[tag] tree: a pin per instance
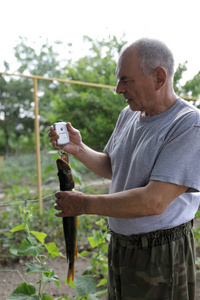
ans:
(44, 61)
(16, 110)
(16, 95)
(192, 87)
(178, 76)
(92, 110)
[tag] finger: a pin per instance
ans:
(57, 206)
(71, 129)
(54, 144)
(63, 147)
(52, 131)
(69, 126)
(58, 195)
(60, 214)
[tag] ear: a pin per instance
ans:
(160, 76)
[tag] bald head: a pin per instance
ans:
(151, 54)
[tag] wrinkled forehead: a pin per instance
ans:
(127, 63)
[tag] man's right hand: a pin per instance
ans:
(97, 162)
(74, 136)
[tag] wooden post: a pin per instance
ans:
(37, 145)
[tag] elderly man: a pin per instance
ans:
(152, 159)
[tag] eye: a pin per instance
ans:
(127, 82)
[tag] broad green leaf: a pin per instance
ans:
(24, 292)
(84, 285)
(77, 179)
(14, 251)
(51, 276)
(18, 228)
(108, 236)
(46, 297)
(33, 268)
(84, 253)
(102, 282)
(30, 247)
(92, 242)
(39, 235)
(53, 250)
(99, 293)
(100, 222)
(98, 237)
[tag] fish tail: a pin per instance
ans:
(70, 274)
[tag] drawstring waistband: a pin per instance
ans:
(153, 239)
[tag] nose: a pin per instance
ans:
(120, 89)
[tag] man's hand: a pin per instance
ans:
(70, 203)
(97, 162)
(74, 136)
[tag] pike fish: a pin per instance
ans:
(69, 223)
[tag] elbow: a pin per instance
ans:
(157, 208)
(159, 211)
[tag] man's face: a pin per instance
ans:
(137, 89)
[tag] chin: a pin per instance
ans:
(133, 107)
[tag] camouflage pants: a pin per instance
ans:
(156, 266)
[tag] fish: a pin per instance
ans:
(70, 224)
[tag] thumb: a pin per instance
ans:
(71, 129)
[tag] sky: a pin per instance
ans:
(175, 22)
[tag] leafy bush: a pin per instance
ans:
(34, 245)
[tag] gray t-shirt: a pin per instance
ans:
(165, 147)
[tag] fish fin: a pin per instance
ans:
(76, 254)
(77, 221)
(70, 274)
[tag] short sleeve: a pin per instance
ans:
(179, 160)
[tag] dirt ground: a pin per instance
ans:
(10, 278)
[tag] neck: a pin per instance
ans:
(161, 107)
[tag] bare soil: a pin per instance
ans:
(10, 278)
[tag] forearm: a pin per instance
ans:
(152, 199)
(126, 204)
(97, 162)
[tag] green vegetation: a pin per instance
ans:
(26, 233)
(34, 246)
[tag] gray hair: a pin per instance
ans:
(152, 54)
